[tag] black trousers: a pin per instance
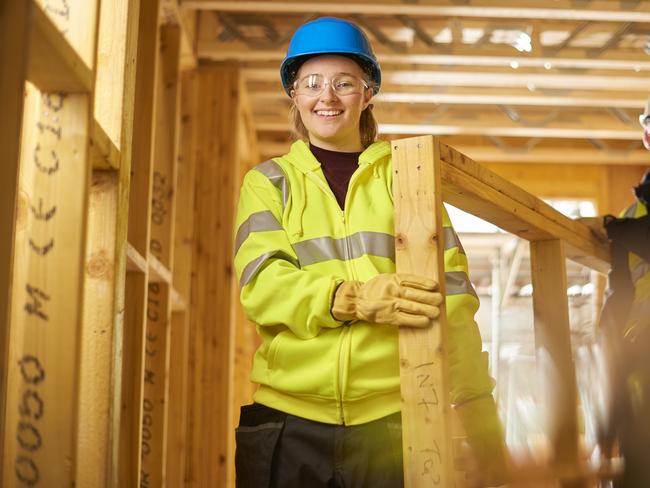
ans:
(278, 450)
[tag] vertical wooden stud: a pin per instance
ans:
(177, 400)
(96, 337)
(139, 205)
(42, 413)
(110, 74)
(14, 18)
(426, 420)
(165, 146)
(129, 460)
(143, 127)
(128, 55)
(244, 340)
(553, 346)
(154, 403)
(212, 271)
(183, 238)
(101, 336)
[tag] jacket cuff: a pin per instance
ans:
(344, 303)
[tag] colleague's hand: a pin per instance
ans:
(595, 225)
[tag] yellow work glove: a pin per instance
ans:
(396, 299)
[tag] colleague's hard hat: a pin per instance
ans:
(644, 118)
(646, 178)
(329, 35)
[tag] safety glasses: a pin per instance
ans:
(344, 84)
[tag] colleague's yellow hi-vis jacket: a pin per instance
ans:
(639, 314)
(293, 246)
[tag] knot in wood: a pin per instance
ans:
(400, 241)
(98, 265)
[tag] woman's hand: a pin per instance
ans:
(390, 298)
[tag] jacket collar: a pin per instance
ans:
(301, 157)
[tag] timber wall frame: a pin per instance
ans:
(105, 378)
(426, 172)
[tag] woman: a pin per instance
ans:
(315, 261)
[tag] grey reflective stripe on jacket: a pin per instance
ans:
(274, 173)
(451, 239)
(257, 222)
(640, 271)
(630, 212)
(457, 283)
(321, 249)
(312, 251)
(254, 266)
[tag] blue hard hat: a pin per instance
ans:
(329, 35)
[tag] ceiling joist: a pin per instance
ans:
(612, 14)
(478, 99)
(217, 51)
(489, 79)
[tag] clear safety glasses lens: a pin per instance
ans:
(314, 84)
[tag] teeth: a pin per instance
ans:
(328, 113)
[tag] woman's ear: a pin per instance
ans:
(367, 98)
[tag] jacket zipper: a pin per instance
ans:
(345, 335)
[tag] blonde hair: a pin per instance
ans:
(367, 126)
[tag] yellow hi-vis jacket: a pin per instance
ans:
(639, 317)
(293, 247)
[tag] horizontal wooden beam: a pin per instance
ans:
(613, 14)
(158, 272)
(135, 262)
(483, 130)
(53, 64)
(524, 100)
(480, 99)
(463, 56)
(477, 190)
(490, 79)
(178, 302)
(540, 132)
(556, 155)
(104, 153)
(496, 155)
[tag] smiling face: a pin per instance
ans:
(332, 120)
